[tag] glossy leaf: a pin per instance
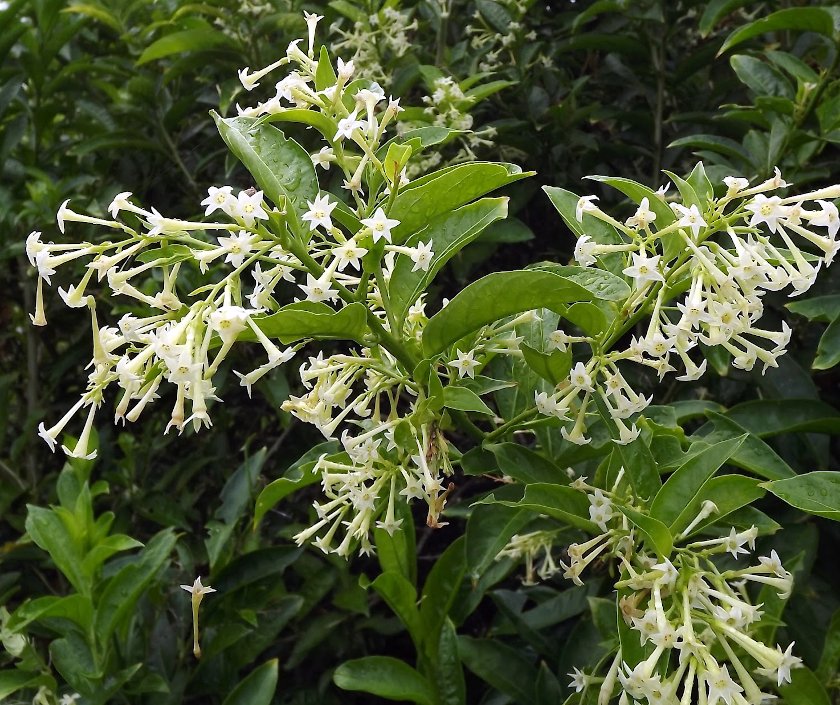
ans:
(688, 480)
(489, 528)
(503, 667)
(496, 296)
(553, 367)
(804, 19)
(814, 492)
(641, 468)
(199, 39)
(257, 688)
(728, 492)
(657, 535)
(386, 677)
(449, 234)
(463, 399)
(445, 190)
(557, 501)
(302, 320)
(281, 168)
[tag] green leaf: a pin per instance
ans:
(819, 308)
(828, 349)
(805, 19)
(587, 316)
(445, 190)
(830, 658)
(463, 399)
(553, 367)
(77, 608)
(700, 183)
(398, 553)
(760, 77)
(804, 688)
(557, 501)
(506, 669)
(636, 192)
(754, 455)
(401, 597)
(97, 12)
(684, 484)
(325, 125)
(714, 143)
(297, 476)
(656, 533)
(449, 675)
(123, 590)
(386, 677)
(50, 533)
(770, 417)
(715, 11)
(280, 166)
(525, 465)
(13, 681)
(641, 468)
(493, 297)
(814, 492)
(324, 74)
(604, 286)
(449, 233)
(200, 39)
(728, 492)
(489, 528)
(257, 688)
(304, 320)
(687, 192)
(440, 591)
(349, 10)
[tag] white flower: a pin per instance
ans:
(767, 210)
(249, 207)
(318, 289)
(585, 251)
(579, 378)
(644, 269)
(349, 253)
(735, 184)
(319, 212)
(465, 364)
(221, 198)
(584, 205)
(827, 217)
(228, 322)
(311, 23)
(345, 69)
(237, 247)
(690, 218)
(643, 216)
(324, 158)
(380, 225)
(346, 126)
(721, 686)
(579, 679)
(422, 256)
(557, 340)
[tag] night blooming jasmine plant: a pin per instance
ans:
(324, 255)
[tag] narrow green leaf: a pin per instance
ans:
(728, 492)
(401, 597)
(495, 296)
(386, 677)
(828, 349)
(770, 417)
(687, 481)
(656, 533)
(489, 528)
(814, 492)
(819, 308)
(525, 465)
(557, 501)
(257, 688)
(449, 234)
(445, 190)
(804, 19)
(297, 476)
(506, 669)
(641, 468)
(199, 39)
(325, 125)
(830, 658)
(324, 74)
(440, 591)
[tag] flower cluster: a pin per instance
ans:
(328, 255)
(498, 49)
(694, 618)
(725, 255)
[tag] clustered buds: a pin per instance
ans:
(694, 617)
(724, 259)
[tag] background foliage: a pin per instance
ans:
(102, 97)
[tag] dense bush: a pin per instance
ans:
(534, 425)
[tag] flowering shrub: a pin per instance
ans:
(522, 374)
